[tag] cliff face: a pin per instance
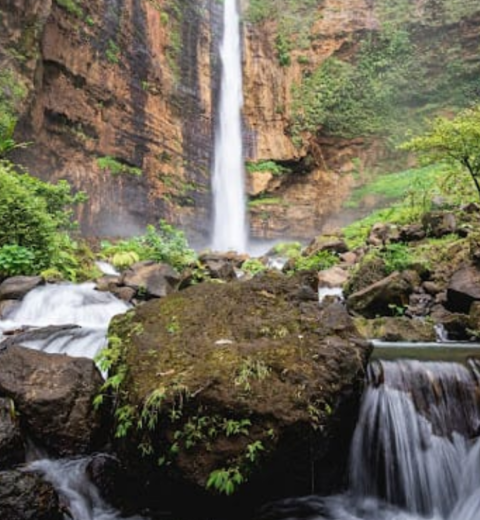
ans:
(126, 80)
(121, 87)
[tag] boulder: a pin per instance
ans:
(333, 277)
(53, 395)
(474, 318)
(247, 381)
(7, 306)
(369, 271)
(16, 287)
(25, 496)
(382, 234)
(439, 223)
(331, 243)
(150, 279)
(463, 289)
(396, 329)
(12, 451)
(383, 297)
(412, 233)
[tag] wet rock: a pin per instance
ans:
(383, 297)
(53, 395)
(455, 324)
(439, 223)
(396, 329)
(419, 304)
(25, 496)
(12, 451)
(16, 287)
(463, 289)
(150, 279)
(333, 277)
(7, 306)
(127, 294)
(252, 356)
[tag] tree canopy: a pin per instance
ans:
(456, 141)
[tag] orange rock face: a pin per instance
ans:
(136, 80)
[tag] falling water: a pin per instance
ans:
(415, 454)
(230, 228)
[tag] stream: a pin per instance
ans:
(413, 456)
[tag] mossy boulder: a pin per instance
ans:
(244, 388)
(397, 329)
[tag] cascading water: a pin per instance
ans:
(415, 454)
(230, 227)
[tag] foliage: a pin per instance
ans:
(253, 266)
(71, 6)
(162, 244)
(225, 480)
(397, 257)
(112, 52)
(266, 166)
(265, 201)
(318, 261)
(116, 167)
(16, 260)
(33, 216)
(12, 94)
(453, 141)
(288, 249)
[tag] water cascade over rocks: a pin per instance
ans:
(73, 319)
(415, 453)
(230, 227)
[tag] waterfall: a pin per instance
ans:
(230, 227)
(415, 453)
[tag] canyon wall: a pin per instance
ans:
(120, 96)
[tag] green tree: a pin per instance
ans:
(454, 141)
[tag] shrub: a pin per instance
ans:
(319, 261)
(16, 260)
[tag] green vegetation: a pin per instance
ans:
(116, 167)
(162, 244)
(253, 266)
(72, 7)
(34, 219)
(112, 52)
(318, 261)
(266, 166)
(454, 142)
(265, 201)
(12, 94)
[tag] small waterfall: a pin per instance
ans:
(414, 442)
(63, 319)
(78, 494)
(230, 227)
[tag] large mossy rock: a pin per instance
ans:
(53, 396)
(248, 381)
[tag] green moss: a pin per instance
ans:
(116, 167)
(72, 7)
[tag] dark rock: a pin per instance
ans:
(251, 353)
(463, 289)
(16, 287)
(412, 233)
(368, 273)
(150, 279)
(107, 282)
(53, 395)
(12, 451)
(432, 288)
(419, 304)
(25, 496)
(455, 324)
(471, 207)
(381, 298)
(474, 318)
(123, 293)
(220, 269)
(439, 223)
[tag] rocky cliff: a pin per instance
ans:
(119, 98)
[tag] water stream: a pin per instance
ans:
(230, 226)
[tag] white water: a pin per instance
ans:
(230, 226)
(66, 304)
(76, 491)
(414, 454)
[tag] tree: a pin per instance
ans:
(455, 141)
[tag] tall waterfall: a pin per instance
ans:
(230, 227)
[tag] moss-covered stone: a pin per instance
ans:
(246, 376)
